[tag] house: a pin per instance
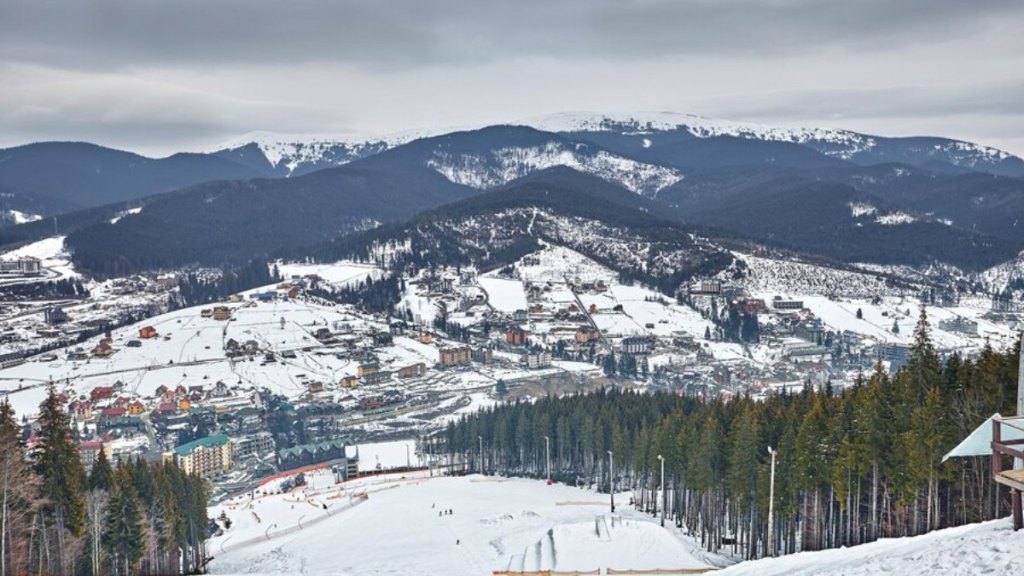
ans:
(811, 330)
(322, 334)
(516, 336)
(897, 355)
(55, 315)
(536, 360)
(709, 287)
(520, 315)
(586, 334)
(136, 408)
(101, 393)
(636, 345)
(315, 387)
(102, 350)
(221, 313)
(112, 412)
(382, 339)
(165, 409)
(134, 344)
(413, 370)
(256, 444)
(349, 382)
(456, 356)
(397, 328)
(785, 304)
(220, 390)
(426, 338)
(81, 409)
(483, 355)
(959, 324)
(309, 454)
(184, 404)
(89, 452)
(367, 369)
(377, 377)
(147, 332)
(248, 420)
(205, 456)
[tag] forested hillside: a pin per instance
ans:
(852, 465)
(57, 520)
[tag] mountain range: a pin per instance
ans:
(835, 194)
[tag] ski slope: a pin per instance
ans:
(988, 548)
(495, 524)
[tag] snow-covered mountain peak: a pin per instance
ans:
(699, 126)
(496, 167)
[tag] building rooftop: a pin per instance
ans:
(208, 442)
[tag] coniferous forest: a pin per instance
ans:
(135, 518)
(852, 466)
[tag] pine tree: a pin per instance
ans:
(19, 498)
(61, 467)
(100, 476)
(123, 536)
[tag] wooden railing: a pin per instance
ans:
(1014, 479)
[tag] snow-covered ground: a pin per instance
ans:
(504, 295)
(52, 253)
(495, 524)
(986, 548)
(337, 273)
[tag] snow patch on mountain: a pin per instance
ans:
(789, 276)
(18, 217)
(506, 164)
(895, 219)
(839, 143)
(998, 277)
(850, 143)
(124, 213)
(858, 209)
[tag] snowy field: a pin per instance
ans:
(337, 274)
(988, 548)
(504, 295)
(495, 524)
(51, 253)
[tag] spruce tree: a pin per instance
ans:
(61, 467)
(123, 537)
(19, 493)
(100, 476)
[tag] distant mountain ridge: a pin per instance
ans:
(806, 191)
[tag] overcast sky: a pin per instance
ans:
(161, 76)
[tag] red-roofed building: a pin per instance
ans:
(147, 332)
(113, 412)
(102, 393)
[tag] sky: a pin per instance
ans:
(163, 76)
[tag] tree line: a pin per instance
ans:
(852, 465)
(57, 519)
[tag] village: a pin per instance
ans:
(276, 379)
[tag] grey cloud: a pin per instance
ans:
(396, 33)
(996, 99)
